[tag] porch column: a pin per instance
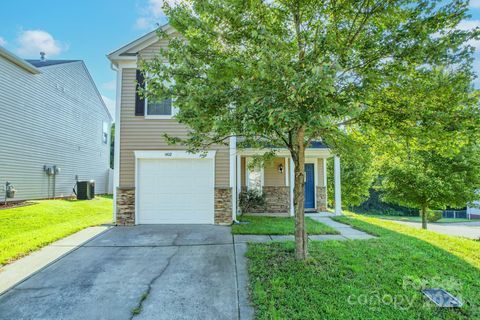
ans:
(292, 184)
(239, 178)
(325, 181)
(338, 191)
(233, 176)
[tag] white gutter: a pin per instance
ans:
(116, 153)
(19, 61)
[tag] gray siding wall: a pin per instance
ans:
(52, 118)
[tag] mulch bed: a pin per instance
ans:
(10, 205)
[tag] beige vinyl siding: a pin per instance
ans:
(138, 133)
(320, 173)
(273, 178)
(152, 50)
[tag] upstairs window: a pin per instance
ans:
(160, 108)
(105, 132)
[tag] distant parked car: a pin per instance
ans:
(54, 128)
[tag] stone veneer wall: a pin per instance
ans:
(321, 199)
(223, 206)
(277, 200)
(125, 206)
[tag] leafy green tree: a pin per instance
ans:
(357, 171)
(429, 180)
(425, 140)
(289, 72)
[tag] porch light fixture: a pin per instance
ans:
(280, 168)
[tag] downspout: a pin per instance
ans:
(116, 153)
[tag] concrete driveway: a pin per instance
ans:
(469, 230)
(142, 272)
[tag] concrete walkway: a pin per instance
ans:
(346, 233)
(23, 268)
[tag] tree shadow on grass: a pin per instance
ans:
(380, 278)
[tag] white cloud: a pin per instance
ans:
(31, 42)
(152, 13)
(143, 23)
(110, 85)
(3, 42)
(474, 3)
(110, 103)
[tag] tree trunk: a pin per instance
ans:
(298, 156)
(424, 216)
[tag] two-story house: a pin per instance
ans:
(54, 128)
(160, 183)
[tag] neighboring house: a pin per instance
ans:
(160, 183)
(52, 115)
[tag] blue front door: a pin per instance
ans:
(309, 186)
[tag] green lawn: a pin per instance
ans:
(366, 279)
(28, 228)
(278, 226)
(416, 219)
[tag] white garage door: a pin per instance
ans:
(175, 191)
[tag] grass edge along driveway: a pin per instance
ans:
(278, 226)
(379, 278)
(28, 228)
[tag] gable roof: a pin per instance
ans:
(130, 50)
(46, 63)
(61, 63)
(33, 66)
(18, 61)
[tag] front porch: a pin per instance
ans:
(276, 181)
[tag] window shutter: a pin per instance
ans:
(139, 100)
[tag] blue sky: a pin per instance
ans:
(90, 29)
(77, 29)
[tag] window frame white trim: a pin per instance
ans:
(106, 126)
(247, 171)
(172, 114)
(173, 110)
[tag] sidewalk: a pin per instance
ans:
(23, 268)
(346, 233)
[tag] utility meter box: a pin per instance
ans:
(10, 190)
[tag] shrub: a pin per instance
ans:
(251, 199)
(434, 215)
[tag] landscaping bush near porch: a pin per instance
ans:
(24, 229)
(278, 226)
(366, 279)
